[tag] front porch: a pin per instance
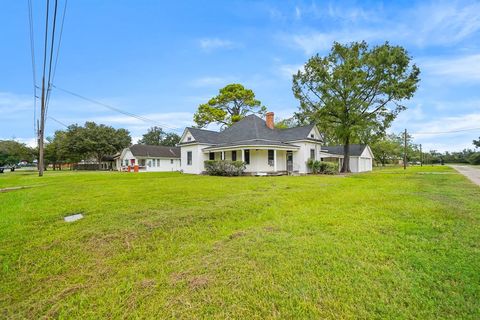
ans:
(259, 161)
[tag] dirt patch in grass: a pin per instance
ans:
(237, 234)
(198, 282)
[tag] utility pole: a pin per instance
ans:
(421, 156)
(405, 150)
(41, 130)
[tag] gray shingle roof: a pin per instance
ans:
(355, 149)
(142, 150)
(251, 128)
(256, 142)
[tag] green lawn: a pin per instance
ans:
(387, 244)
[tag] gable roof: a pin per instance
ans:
(356, 150)
(143, 150)
(251, 128)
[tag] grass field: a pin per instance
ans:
(383, 245)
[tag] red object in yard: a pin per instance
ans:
(129, 169)
(135, 168)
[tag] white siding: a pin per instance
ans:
(259, 161)
(301, 156)
(162, 164)
(198, 158)
(187, 137)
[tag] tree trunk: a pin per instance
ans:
(346, 157)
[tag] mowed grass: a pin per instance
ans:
(386, 244)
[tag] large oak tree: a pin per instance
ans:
(355, 89)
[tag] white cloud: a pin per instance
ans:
(444, 24)
(298, 13)
(13, 103)
(169, 121)
(442, 133)
(210, 44)
(211, 81)
(462, 69)
(288, 70)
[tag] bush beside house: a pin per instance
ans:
(224, 167)
(322, 167)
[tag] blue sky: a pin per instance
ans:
(161, 59)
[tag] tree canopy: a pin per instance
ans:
(232, 104)
(95, 140)
(355, 89)
(12, 152)
(171, 139)
(476, 143)
(155, 136)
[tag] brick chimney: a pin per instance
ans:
(269, 120)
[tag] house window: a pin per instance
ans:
(271, 157)
(247, 156)
(149, 163)
(234, 155)
(189, 139)
(126, 162)
(312, 136)
(171, 161)
(211, 156)
(312, 154)
(189, 158)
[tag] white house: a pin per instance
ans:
(149, 158)
(264, 149)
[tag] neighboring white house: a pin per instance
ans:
(263, 148)
(361, 156)
(149, 158)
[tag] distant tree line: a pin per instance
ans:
(12, 152)
(76, 143)
(390, 148)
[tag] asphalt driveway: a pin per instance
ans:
(471, 172)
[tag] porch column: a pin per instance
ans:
(223, 155)
(274, 160)
(243, 155)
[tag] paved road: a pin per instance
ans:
(472, 173)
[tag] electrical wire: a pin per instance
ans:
(34, 74)
(49, 83)
(129, 114)
(445, 132)
(58, 121)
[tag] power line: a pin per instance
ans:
(49, 83)
(444, 132)
(59, 41)
(132, 115)
(58, 121)
(34, 74)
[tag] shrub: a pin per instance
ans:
(224, 167)
(474, 158)
(329, 167)
(322, 166)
